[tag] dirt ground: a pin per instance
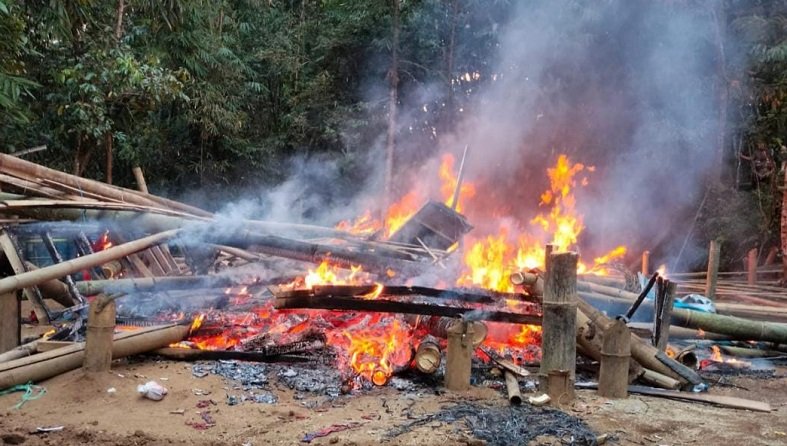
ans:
(91, 415)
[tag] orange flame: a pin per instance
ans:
(449, 181)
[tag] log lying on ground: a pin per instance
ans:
(20, 352)
(736, 327)
(33, 278)
(190, 354)
(46, 365)
(512, 387)
(53, 289)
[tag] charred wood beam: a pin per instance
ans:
(189, 354)
(390, 306)
(464, 295)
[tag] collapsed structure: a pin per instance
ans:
(119, 272)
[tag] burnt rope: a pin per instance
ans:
(635, 306)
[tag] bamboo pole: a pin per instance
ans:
(140, 177)
(33, 294)
(739, 328)
(558, 336)
(512, 387)
(53, 289)
(751, 267)
(427, 356)
(33, 278)
(21, 351)
(712, 276)
(46, 365)
(661, 337)
(142, 284)
(9, 321)
(100, 330)
(459, 357)
(645, 263)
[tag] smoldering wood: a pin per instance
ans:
(458, 294)
(390, 306)
(505, 364)
(32, 278)
(190, 354)
(558, 336)
(46, 365)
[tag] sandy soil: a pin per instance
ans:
(91, 415)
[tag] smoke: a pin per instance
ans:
(626, 86)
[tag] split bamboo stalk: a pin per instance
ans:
(665, 317)
(714, 252)
(558, 335)
(33, 278)
(46, 365)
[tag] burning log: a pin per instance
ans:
(615, 356)
(33, 278)
(192, 354)
(558, 345)
(512, 387)
(428, 355)
(390, 306)
(46, 365)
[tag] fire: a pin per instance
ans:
(365, 224)
(103, 242)
(448, 182)
(327, 274)
(376, 350)
(716, 354)
(490, 260)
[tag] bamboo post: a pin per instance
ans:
(615, 356)
(459, 357)
(751, 267)
(512, 387)
(9, 321)
(558, 336)
(713, 269)
(100, 330)
(665, 316)
(140, 177)
(645, 263)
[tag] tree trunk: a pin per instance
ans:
(783, 231)
(393, 93)
(448, 116)
(108, 148)
(119, 24)
(720, 19)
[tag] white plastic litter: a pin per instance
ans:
(152, 390)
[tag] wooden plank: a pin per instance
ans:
(169, 259)
(716, 400)
(151, 262)
(137, 265)
(32, 294)
(9, 321)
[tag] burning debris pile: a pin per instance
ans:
(418, 291)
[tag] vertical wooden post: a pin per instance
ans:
(645, 263)
(9, 321)
(458, 358)
(140, 177)
(665, 316)
(751, 267)
(558, 335)
(613, 377)
(33, 294)
(713, 269)
(100, 330)
(548, 249)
